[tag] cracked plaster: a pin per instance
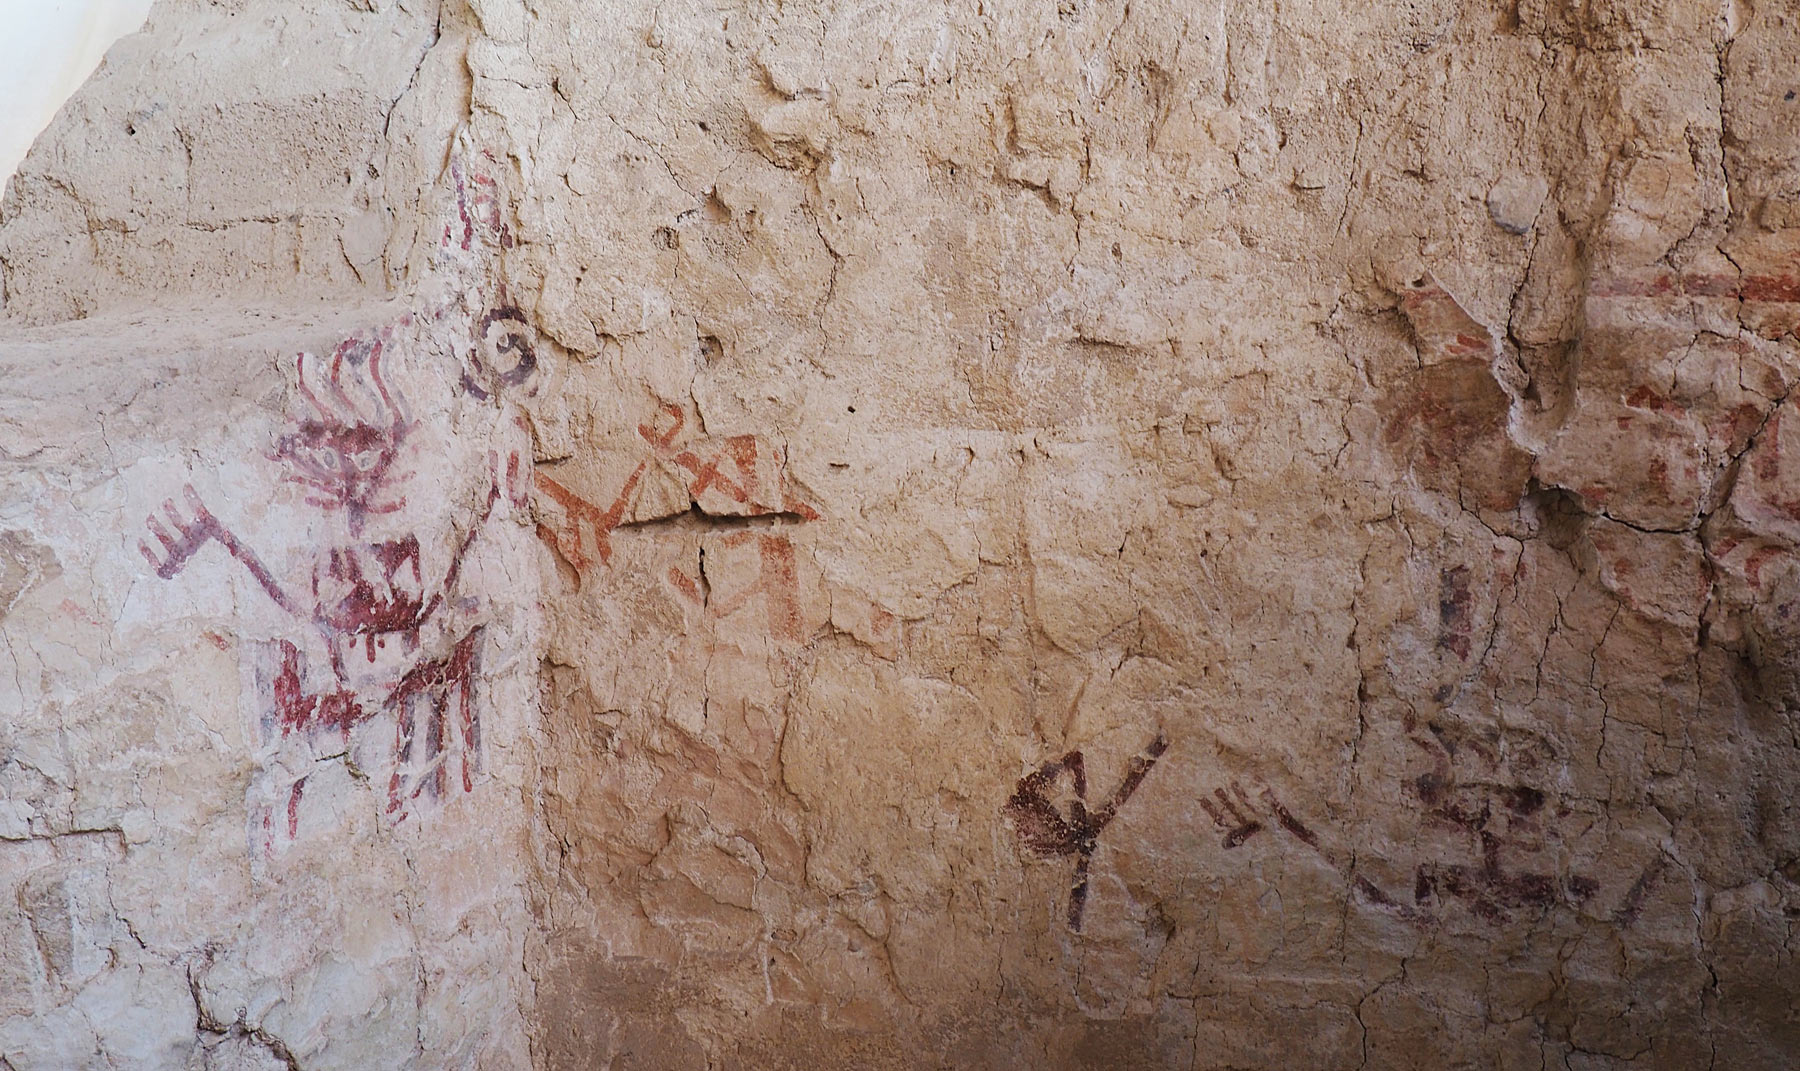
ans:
(1382, 407)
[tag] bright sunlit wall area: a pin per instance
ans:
(47, 49)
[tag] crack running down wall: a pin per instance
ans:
(1084, 535)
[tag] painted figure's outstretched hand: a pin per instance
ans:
(193, 533)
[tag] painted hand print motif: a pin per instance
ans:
(1049, 833)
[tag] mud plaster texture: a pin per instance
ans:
(906, 535)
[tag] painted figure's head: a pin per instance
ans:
(344, 451)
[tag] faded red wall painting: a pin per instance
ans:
(387, 641)
(1476, 814)
(1048, 832)
(366, 599)
(729, 478)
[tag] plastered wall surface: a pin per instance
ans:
(47, 51)
(905, 535)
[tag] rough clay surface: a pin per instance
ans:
(1154, 534)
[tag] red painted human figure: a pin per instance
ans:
(363, 593)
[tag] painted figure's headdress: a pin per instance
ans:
(342, 451)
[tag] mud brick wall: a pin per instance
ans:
(906, 535)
